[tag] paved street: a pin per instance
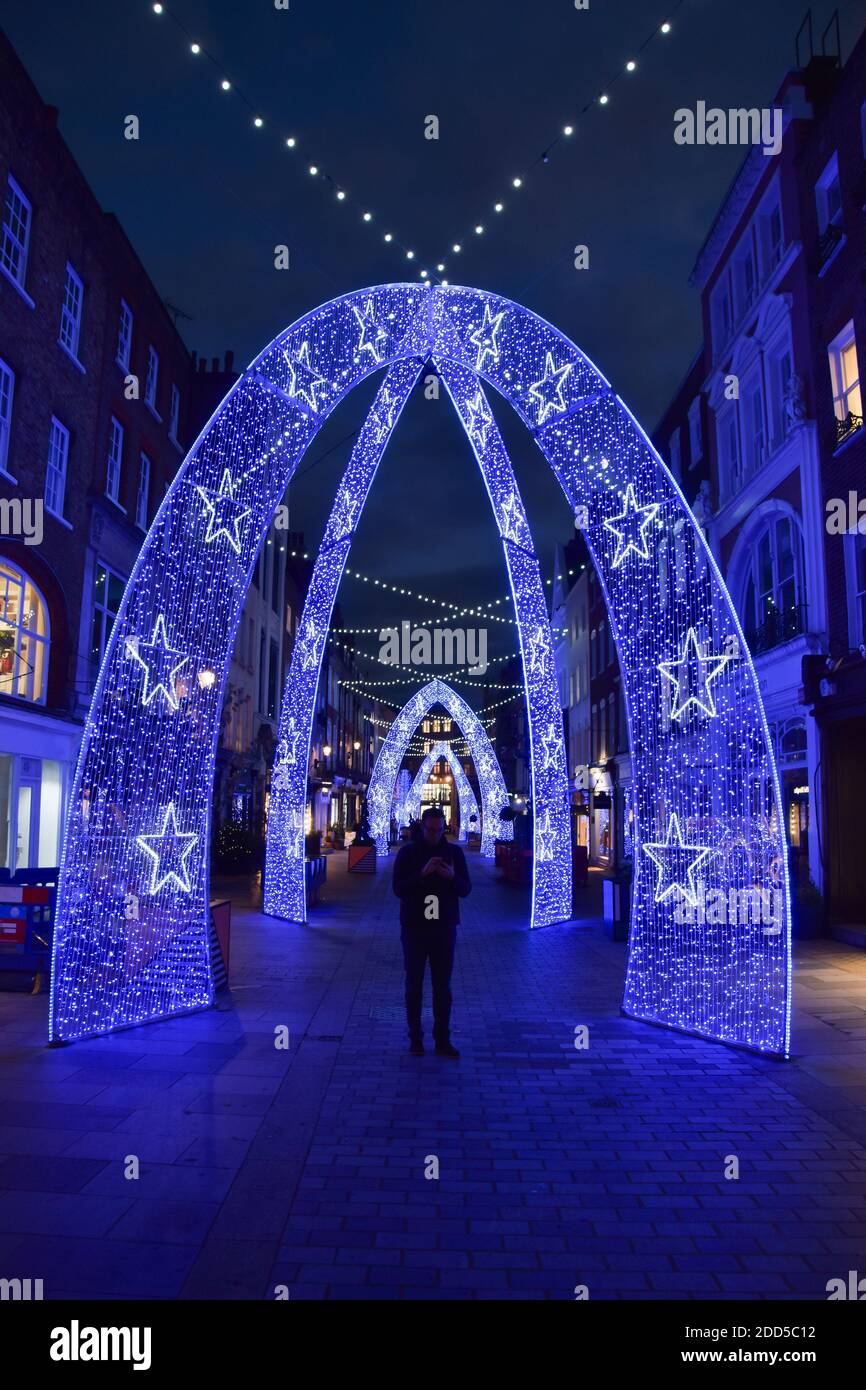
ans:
(557, 1167)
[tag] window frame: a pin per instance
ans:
(115, 431)
(144, 473)
(71, 316)
(23, 579)
(125, 317)
(7, 375)
(14, 190)
(57, 431)
(151, 380)
(826, 180)
(835, 352)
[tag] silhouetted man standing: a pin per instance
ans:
(430, 878)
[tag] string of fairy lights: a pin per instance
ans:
(450, 608)
(498, 208)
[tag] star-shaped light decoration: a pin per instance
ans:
(168, 851)
(546, 838)
(224, 513)
(480, 419)
(511, 517)
(691, 677)
(631, 534)
(304, 380)
(484, 338)
(373, 335)
(159, 663)
(548, 391)
(539, 646)
(345, 515)
(551, 743)
(386, 407)
(287, 757)
(295, 835)
(677, 864)
(308, 646)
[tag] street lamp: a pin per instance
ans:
(326, 750)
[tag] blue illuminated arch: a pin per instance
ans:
(411, 806)
(285, 880)
(704, 780)
(491, 783)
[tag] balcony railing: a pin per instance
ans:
(779, 627)
(846, 426)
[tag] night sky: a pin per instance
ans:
(204, 198)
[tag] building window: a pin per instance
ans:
(828, 197)
(174, 425)
(779, 371)
(7, 387)
(115, 460)
(262, 666)
(143, 492)
(107, 593)
(152, 379)
(746, 277)
(774, 608)
(17, 216)
(755, 430)
(696, 441)
(674, 454)
(845, 375)
(55, 477)
(770, 236)
(124, 336)
(70, 313)
(24, 636)
(722, 314)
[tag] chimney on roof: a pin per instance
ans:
(230, 360)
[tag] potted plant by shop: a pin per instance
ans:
(362, 850)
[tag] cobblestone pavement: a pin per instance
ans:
(557, 1167)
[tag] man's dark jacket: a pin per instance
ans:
(412, 889)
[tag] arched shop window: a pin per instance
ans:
(792, 742)
(25, 636)
(774, 608)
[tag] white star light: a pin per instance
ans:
(305, 380)
(295, 835)
(309, 645)
(548, 391)
(346, 519)
(484, 338)
(511, 518)
(168, 846)
(551, 744)
(372, 333)
(632, 535)
(156, 658)
(546, 838)
(538, 648)
(692, 686)
(671, 858)
(480, 419)
(382, 426)
(223, 512)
